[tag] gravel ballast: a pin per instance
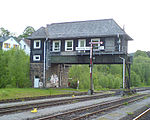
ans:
(51, 110)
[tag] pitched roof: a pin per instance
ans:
(27, 42)
(92, 28)
(79, 29)
(40, 33)
(4, 38)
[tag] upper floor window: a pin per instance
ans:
(56, 45)
(99, 46)
(36, 58)
(96, 46)
(81, 43)
(37, 44)
(69, 45)
(7, 45)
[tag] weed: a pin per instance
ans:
(125, 103)
(130, 113)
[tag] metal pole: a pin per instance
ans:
(123, 72)
(91, 69)
(44, 72)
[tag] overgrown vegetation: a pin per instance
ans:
(110, 76)
(14, 69)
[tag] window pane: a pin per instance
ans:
(69, 48)
(37, 44)
(37, 58)
(96, 46)
(56, 46)
(69, 44)
(82, 43)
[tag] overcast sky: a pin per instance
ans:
(16, 15)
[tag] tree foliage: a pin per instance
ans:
(27, 32)
(5, 32)
(110, 76)
(14, 69)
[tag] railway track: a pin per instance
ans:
(97, 109)
(144, 115)
(39, 105)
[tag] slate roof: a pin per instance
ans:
(81, 29)
(39, 34)
(92, 28)
(4, 38)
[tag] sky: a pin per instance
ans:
(134, 15)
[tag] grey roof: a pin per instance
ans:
(40, 33)
(92, 28)
(4, 38)
(79, 29)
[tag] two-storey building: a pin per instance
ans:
(58, 44)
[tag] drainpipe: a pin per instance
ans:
(44, 72)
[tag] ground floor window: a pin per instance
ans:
(7, 45)
(15, 46)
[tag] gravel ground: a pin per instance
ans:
(123, 113)
(48, 99)
(51, 110)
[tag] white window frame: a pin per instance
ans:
(79, 43)
(66, 41)
(34, 57)
(54, 45)
(97, 40)
(37, 47)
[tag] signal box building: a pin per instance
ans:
(58, 45)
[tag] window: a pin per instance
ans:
(96, 46)
(56, 46)
(99, 46)
(69, 45)
(81, 43)
(37, 44)
(24, 47)
(36, 58)
(15, 46)
(7, 45)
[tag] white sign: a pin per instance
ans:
(83, 48)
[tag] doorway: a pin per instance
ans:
(36, 81)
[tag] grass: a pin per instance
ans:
(13, 93)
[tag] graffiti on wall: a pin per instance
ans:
(54, 80)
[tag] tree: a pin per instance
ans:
(14, 69)
(140, 53)
(4, 32)
(27, 32)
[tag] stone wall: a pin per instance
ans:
(36, 69)
(57, 76)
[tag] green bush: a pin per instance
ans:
(14, 69)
